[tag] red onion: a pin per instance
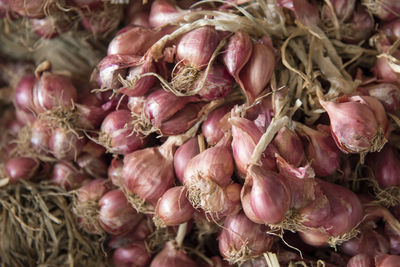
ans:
(345, 206)
(65, 144)
(245, 138)
(300, 181)
(391, 29)
(289, 146)
(211, 127)
(383, 9)
(173, 208)
(136, 103)
(31, 9)
(172, 256)
(113, 66)
(207, 174)
(361, 260)
(89, 116)
(135, 86)
(269, 195)
(149, 172)
(135, 41)
(24, 93)
(86, 204)
(115, 171)
(257, 72)
(53, 91)
(141, 231)
(320, 149)
(135, 254)
(241, 239)
(358, 124)
(346, 213)
(238, 51)
(67, 176)
(165, 12)
(317, 211)
(21, 168)
(385, 166)
(197, 46)
(385, 260)
(387, 93)
(182, 120)
(94, 166)
(117, 135)
(116, 215)
(40, 135)
(161, 105)
(183, 155)
(215, 84)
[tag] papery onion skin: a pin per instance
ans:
(258, 70)
(321, 150)
(197, 46)
(67, 176)
(149, 172)
(116, 215)
(134, 41)
(117, 136)
(241, 237)
(238, 51)
(218, 83)
(170, 256)
(182, 120)
(53, 91)
(182, 156)
(164, 12)
(86, 204)
(269, 197)
(358, 125)
(387, 93)
(361, 260)
(211, 126)
(173, 208)
(245, 138)
(214, 164)
(289, 145)
(161, 105)
(65, 144)
(135, 254)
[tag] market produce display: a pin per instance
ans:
(200, 133)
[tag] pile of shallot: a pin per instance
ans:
(219, 133)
